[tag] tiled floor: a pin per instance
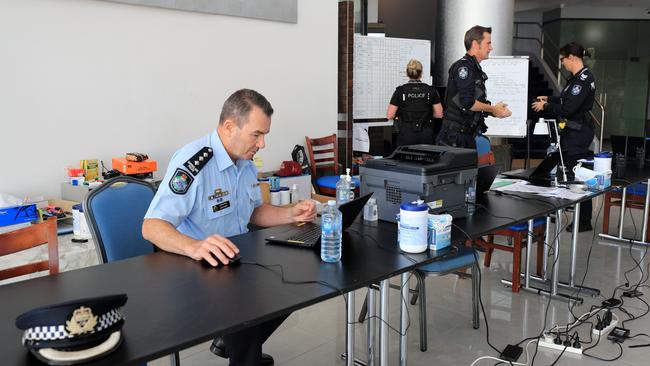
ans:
(315, 336)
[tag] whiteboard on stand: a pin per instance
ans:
(507, 82)
(380, 67)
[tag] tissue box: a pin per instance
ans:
(18, 214)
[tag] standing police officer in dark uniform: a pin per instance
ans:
(466, 103)
(413, 106)
(572, 109)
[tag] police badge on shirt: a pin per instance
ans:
(463, 72)
(180, 182)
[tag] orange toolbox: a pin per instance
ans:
(134, 167)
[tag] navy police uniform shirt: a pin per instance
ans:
(576, 98)
(463, 75)
(205, 193)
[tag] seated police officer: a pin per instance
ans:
(413, 106)
(210, 192)
(466, 103)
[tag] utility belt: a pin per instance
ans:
(416, 126)
(574, 125)
(472, 128)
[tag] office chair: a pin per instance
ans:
(30, 237)
(323, 160)
(484, 151)
(464, 258)
(115, 212)
(517, 234)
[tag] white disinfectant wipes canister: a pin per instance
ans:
(439, 232)
(603, 161)
(413, 227)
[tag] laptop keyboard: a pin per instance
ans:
(308, 237)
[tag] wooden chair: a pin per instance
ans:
(323, 161)
(30, 237)
(519, 235)
(634, 198)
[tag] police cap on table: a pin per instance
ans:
(75, 331)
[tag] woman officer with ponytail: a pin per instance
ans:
(572, 107)
(414, 105)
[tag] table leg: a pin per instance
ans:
(349, 349)
(371, 326)
(556, 252)
(403, 346)
(529, 251)
(384, 287)
(574, 244)
(645, 212)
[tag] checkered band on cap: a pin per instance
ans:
(55, 332)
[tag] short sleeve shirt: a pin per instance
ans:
(205, 193)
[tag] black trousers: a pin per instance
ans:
(244, 348)
(575, 146)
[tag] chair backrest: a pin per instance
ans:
(29, 237)
(323, 155)
(115, 212)
(484, 151)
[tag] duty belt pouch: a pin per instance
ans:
(573, 125)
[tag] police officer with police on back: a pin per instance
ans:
(572, 109)
(413, 107)
(466, 102)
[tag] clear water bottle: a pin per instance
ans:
(470, 198)
(342, 190)
(331, 233)
(552, 148)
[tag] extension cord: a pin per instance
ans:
(547, 341)
(607, 329)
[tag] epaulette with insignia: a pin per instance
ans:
(198, 161)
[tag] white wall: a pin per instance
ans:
(86, 79)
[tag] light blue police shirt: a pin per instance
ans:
(205, 193)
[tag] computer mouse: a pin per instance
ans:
(231, 261)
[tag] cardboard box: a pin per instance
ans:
(134, 167)
(90, 168)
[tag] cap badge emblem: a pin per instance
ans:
(82, 321)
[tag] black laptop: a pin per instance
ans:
(485, 177)
(543, 170)
(307, 234)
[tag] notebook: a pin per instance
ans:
(307, 234)
(543, 170)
